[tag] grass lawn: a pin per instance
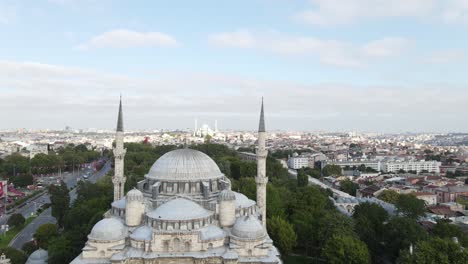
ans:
(5, 239)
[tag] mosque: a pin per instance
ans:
(183, 212)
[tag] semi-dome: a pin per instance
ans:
(248, 227)
(184, 165)
(108, 229)
(39, 256)
(142, 233)
(179, 209)
(226, 195)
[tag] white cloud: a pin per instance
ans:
(344, 12)
(328, 51)
(386, 47)
(43, 95)
(123, 38)
(236, 39)
(446, 56)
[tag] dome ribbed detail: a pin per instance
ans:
(184, 165)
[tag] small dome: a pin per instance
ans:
(242, 201)
(108, 229)
(184, 165)
(226, 195)
(135, 195)
(248, 227)
(179, 209)
(211, 232)
(119, 203)
(39, 256)
(142, 233)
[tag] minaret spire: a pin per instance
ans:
(119, 154)
(261, 179)
(120, 117)
(261, 125)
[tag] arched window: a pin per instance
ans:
(249, 252)
(187, 246)
(166, 246)
(210, 245)
(102, 253)
(176, 244)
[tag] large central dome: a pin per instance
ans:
(184, 165)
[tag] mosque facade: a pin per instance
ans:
(183, 212)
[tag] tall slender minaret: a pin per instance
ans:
(261, 178)
(119, 154)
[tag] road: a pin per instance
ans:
(46, 217)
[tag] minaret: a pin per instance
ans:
(261, 178)
(119, 154)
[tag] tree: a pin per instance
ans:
(276, 200)
(331, 170)
(435, 251)
(22, 180)
(389, 196)
(302, 178)
(345, 249)
(16, 220)
(400, 233)
(282, 234)
(349, 187)
(44, 234)
(410, 206)
(444, 229)
(60, 201)
(16, 256)
(29, 247)
(369, 222)
(59, 250)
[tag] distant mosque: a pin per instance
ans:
(183, 212)
(205, 130)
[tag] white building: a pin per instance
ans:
(418, 166)
(184, 212)
(376, 165)
(298, 162)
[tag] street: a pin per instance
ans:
(46, 217)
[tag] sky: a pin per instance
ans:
(321, 65)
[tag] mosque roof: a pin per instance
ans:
(179, 209)
(108, 229)
(184, 165)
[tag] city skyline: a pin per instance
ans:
(367, 66)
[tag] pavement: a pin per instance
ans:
(46, 217)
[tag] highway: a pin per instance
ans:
(46, 217)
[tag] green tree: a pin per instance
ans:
(435, 251)
(29, 247)
(302, 178)
(332, 170)
(282, 234)
(410, 206)
(59, 250)
(60, 201)
(276, 200)
(16, 256)
(369, 222)
(22, 180)
(444, 229)
(349, 187)
(345, 249)
(400, 233)
(44, 234)
(16, 220)
(389, 196)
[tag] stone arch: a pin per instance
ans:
(176, 244)
(187, 246)
(166, 246)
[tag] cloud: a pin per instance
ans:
(345, 12)
(446, 56)
(49, 96)
(328, 51)
(123, 38)
(386, 47)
